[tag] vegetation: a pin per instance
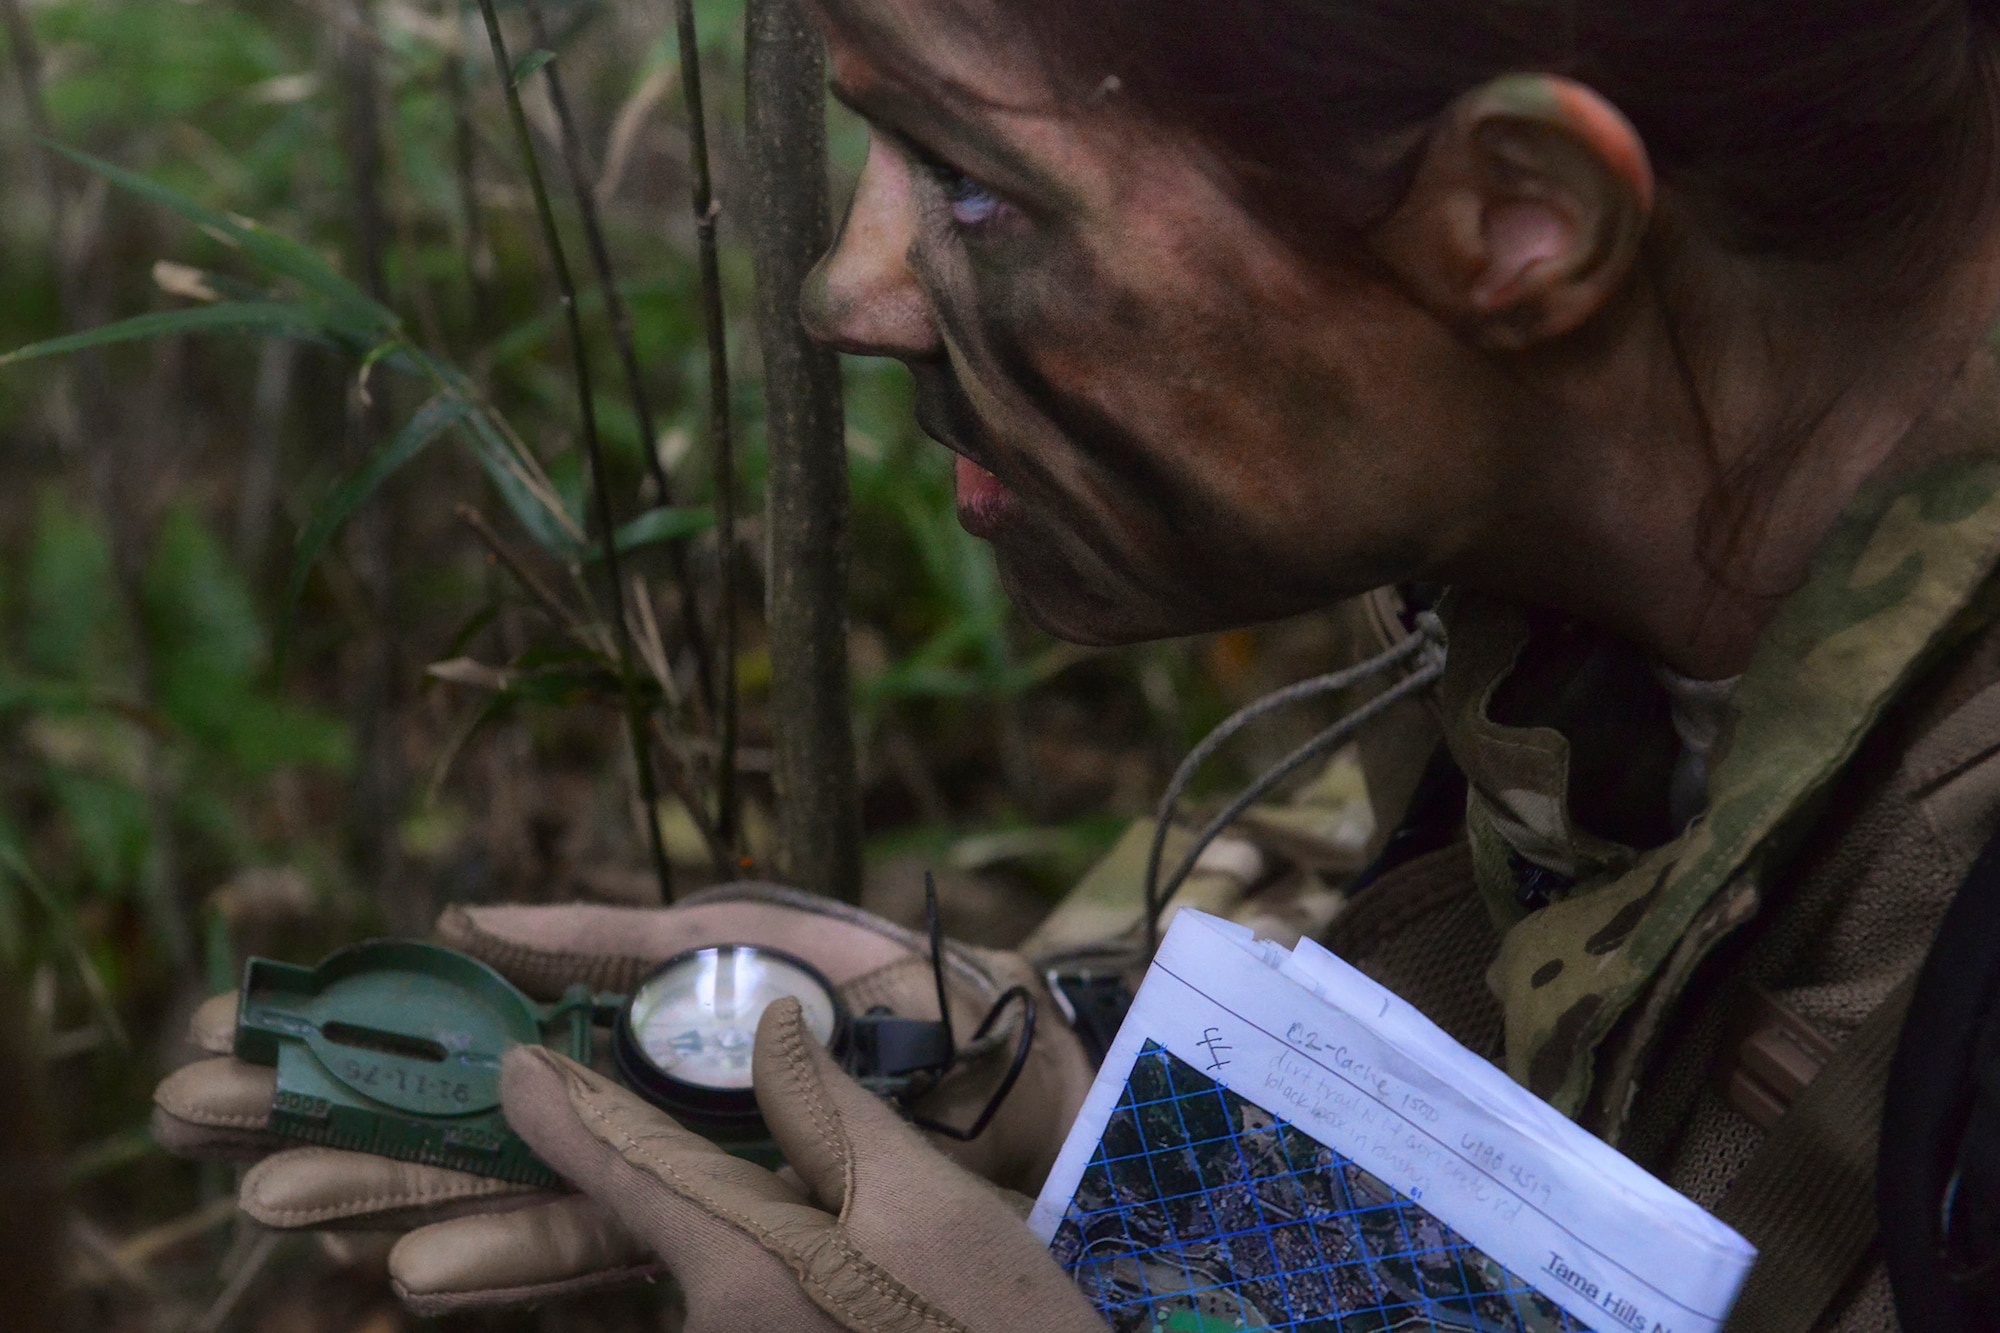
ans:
(305, 629)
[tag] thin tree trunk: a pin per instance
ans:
(819, 820)
(721, 436)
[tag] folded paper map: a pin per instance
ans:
(1277, 1142)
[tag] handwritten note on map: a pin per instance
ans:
(1277, 1142)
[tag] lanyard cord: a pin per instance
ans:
(1425, 646)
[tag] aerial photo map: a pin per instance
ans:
(1201, 1212)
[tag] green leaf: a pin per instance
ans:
(72, 620)
(496, 459)
(201, 619)
(529, 63)
(431, 420)
(210, 654)
(653, 527)
(279, 253)
(353, 307)
(109, 822)
(521, 484)
(279, 317)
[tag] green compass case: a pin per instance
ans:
(393, 1047)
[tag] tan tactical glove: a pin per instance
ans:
(887, 1235)
(515, 1244)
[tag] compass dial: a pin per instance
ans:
(695, 1020)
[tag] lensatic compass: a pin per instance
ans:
(393, 1047)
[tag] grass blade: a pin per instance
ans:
(430, 421)
(543, 516)
(656, 526)
(278, 253)
(279, 317)
(529, 63)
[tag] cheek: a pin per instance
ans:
(1178, 413)
(1220, 446)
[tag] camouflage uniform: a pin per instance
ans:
(1607, 958)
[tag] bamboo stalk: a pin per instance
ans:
(813, 768)
(635, 713)
(721, 442)
(620, 319)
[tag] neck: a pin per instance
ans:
(1703, 461)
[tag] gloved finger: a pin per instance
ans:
(953, 1240)
(729, 1231)
(544, 950)
(216, 1110)
(212, 1027)
(559, 1248)
(817, 1114)
(328, 1188)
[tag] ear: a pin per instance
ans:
(1526, 212)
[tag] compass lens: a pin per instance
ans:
(696, 1021)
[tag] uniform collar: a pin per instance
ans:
(1895, 583)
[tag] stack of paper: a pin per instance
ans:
(1277, 1142)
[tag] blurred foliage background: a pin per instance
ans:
(219, 737)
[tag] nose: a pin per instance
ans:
(862, 297)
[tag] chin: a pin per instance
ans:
(1086, 602)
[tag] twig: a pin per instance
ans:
(534, 587)
(677, 777)
(620, 320)
(625, 127)
(651, 647)
(109, 1154)
(102, 1250)
(635, 714)
(247, 1272)
(721, 444)
(137, 1251)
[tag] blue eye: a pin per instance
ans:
(971, 202)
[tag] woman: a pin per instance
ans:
(1653, 331)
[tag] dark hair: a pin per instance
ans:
(1812, 128)
(1860, 131)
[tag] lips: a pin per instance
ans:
(985, 505)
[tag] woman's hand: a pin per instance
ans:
(510, 1244)
(879, 1231)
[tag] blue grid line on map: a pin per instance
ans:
(1303, 1281)
(1180, 1113)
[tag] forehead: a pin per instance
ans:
(969, 54)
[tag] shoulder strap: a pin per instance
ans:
(1806, 1200)
(1940, 1115)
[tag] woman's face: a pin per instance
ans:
(1166, 422)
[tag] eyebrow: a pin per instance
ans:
(891, 111)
